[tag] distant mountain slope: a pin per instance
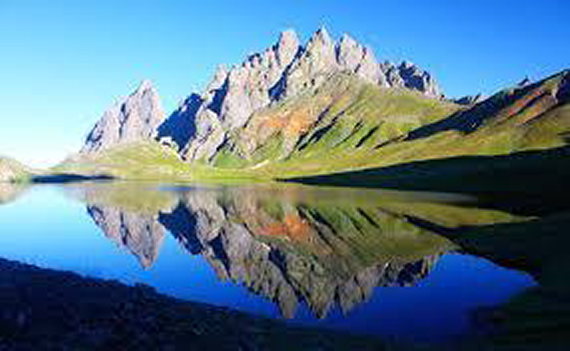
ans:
(534, 110)
(12, 170)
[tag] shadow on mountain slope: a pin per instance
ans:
(539, 318)
(530, 182)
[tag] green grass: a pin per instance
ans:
(147, 161)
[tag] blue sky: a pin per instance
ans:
(63, 62)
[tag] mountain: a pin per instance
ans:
(12, 170)
(285, 71)
(133, 118)
(318, 108)
(535, 116)
(221, 118)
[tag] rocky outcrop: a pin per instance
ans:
(232, 96)
(283, 71)
(134, 118)
(417, 79)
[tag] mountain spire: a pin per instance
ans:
(134, 118)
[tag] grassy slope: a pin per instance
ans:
(145, 161)
(512, 120)
(342, 117)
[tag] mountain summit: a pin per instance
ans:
(205, 122)
(284, 71)
(133, 118)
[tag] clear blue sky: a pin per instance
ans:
(63, 62)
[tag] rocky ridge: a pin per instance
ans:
(133, 118)
(202, 123)
(282, 71)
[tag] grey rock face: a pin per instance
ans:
(315, 64)
(179, 127)
(355, 58)
(282, 71)
(418, 79)
(134, 118)
(232, 96)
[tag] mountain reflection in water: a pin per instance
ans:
(357, 260)
(287, 243)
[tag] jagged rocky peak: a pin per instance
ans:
(316, 62)
(417, 79)
(133, 118)
(287, 47)
(284, 70)
(358, 59)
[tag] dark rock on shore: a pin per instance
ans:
(51, 310)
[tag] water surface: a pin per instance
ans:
(351, 259)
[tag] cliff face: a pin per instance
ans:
(204, 123)
(131, 119)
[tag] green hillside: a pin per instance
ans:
(346, 124)
(343, 116)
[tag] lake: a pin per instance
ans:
(364, 261)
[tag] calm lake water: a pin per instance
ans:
(347, 259)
